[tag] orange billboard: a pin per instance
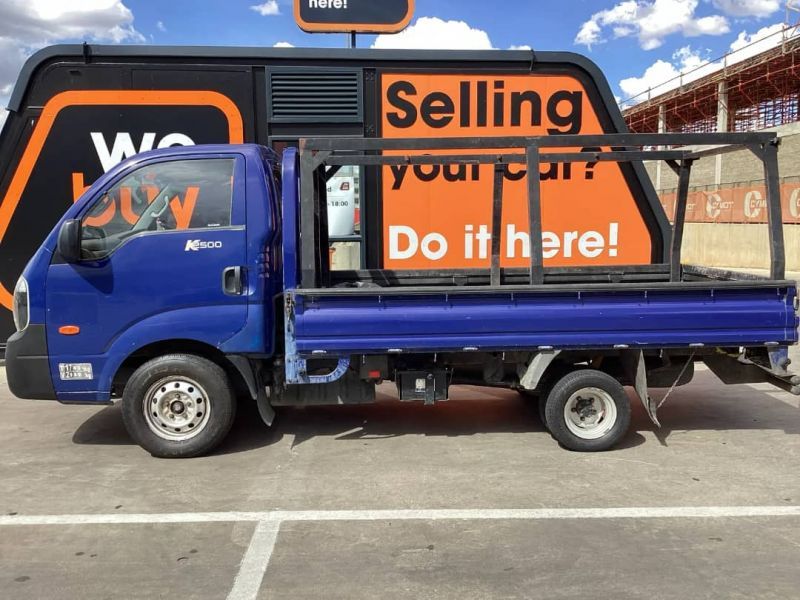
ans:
(440, 216)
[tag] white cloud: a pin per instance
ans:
(434, 33)
(32, 22)
(748, 8)
(652, 79)
(663, 76)
(3, 115)
(746, 45)
(26, 25)
(267, 9)
(283, 45)
(160, 26)
(650, 21)
(521, 47)
(590, 33)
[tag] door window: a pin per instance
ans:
(167, 196)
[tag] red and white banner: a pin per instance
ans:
(740, 204)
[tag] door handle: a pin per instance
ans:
(232, 281)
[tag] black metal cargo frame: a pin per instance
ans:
(320, 158)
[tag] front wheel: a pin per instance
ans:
(178, 406)
(587, 411)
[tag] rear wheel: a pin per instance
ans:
(178, 406)
(588, 411)
(553, 374)
(536, 399)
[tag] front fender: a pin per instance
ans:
(209, 325)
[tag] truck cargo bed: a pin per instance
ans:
(589, 315)
(660, 305)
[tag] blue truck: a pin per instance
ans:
(180, 316)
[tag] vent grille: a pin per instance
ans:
(328, 95)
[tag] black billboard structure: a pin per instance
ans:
(78, 110)
(353, 16)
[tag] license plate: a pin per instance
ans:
(73, 371)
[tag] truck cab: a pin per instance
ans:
(185, 266)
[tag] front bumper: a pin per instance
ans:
(28, 365)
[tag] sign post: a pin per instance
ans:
(353, 16)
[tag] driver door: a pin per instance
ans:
(157, 248)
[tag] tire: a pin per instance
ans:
(588, 411)
(541, 403)
(178, 406)
(552, 375)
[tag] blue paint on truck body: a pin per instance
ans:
(660, 318)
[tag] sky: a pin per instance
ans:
(639, 44)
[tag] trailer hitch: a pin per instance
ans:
(755, 365)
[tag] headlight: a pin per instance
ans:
(21, 304)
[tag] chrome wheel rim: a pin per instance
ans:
(176, 408)
(590, 413)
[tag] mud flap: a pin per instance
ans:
(251, 374)
(265, 409)
(633, 363)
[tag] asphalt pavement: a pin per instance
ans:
(466, 499)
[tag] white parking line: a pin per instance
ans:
(255, 561)
(652, 512)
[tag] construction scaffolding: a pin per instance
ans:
(756, 93)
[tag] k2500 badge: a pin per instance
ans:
(197, 245)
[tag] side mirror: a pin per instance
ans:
(69, 241)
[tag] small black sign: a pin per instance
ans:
(362, 16)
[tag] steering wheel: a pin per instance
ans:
(95, 233)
